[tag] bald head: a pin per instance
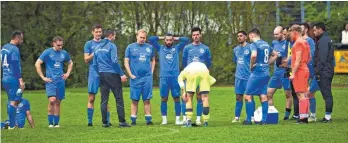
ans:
(277, 33)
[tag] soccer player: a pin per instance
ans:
(93, 77)
(278, 80)
(105, 62)
(22, 113)
(300, 57)
(54, 59)
(196, 74)
(242, 58)
(313, 83)
(324, 63)
(12, 74)
(140, 62)
(169, 71)
(258, 80)
(196, 52)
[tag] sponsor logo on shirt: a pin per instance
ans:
(169, 56)
(142, 57)
(57, 64)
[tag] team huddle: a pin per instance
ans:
(291, 53)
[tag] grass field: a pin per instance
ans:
(222, 100)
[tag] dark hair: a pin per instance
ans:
(57, 38)
(306, 25)
(15, 34)
(169, 34)
(109, 32)
(320, 25)
(96, 26)
(344, 26)
(255, 31)
(243, 32)
(286, 28)
(196, 29)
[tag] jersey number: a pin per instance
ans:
(266, 56)
(5, 64)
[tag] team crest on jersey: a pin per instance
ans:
(201, 50)
(283, 46)
(20, 105)
(173, 49)
(246, 52)
(62, 55)
(148, 50)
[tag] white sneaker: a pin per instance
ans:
(178, 122)
(236, 120)
(9, 128)
(50, 126)
(312, 119)
(164, 122)
(198, 122)
(56, 126)
(184, 122)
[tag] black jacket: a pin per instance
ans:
(324, 55)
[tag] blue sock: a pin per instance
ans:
(264, 111)
(148, 118)
(177, 108)
(313, 105)
(287, 112)
(108, 117)
(56, 119)
(90, 112)
(239, 106)
(164, 108)
(253, 101)
(50, 119)
(183, 108)
(199, 107)
(249, 110)
(134, 119)
(12, 114)
(327, 113)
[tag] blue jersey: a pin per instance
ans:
(140, 56)
(263, 52)
(105, 58)
(242, 58)
(311, 43)
(89, 49)
(10, 61)
(21, 113)
(54, 61)
(168, 56)
(280, 48)
(196, 53)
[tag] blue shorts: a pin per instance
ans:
(56, 89)
(141, 86)
(257, 85)
(314, 86)
(169, 83)
(278, 82)
(93, 84)
(240, 85)
(11, 85)
(311, 70)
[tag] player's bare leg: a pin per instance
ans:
(134, 111)
(205, 100)
(288, 104)
(147, 110)
(270, 93)
(57, 113)
(50, 110)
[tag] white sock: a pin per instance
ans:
(164, 118)
(198, 118)
(177, 118)
(313, 115)
(184, 118)
(327, 117)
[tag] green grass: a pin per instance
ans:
(222, 100)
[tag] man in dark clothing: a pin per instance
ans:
(324, 66)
